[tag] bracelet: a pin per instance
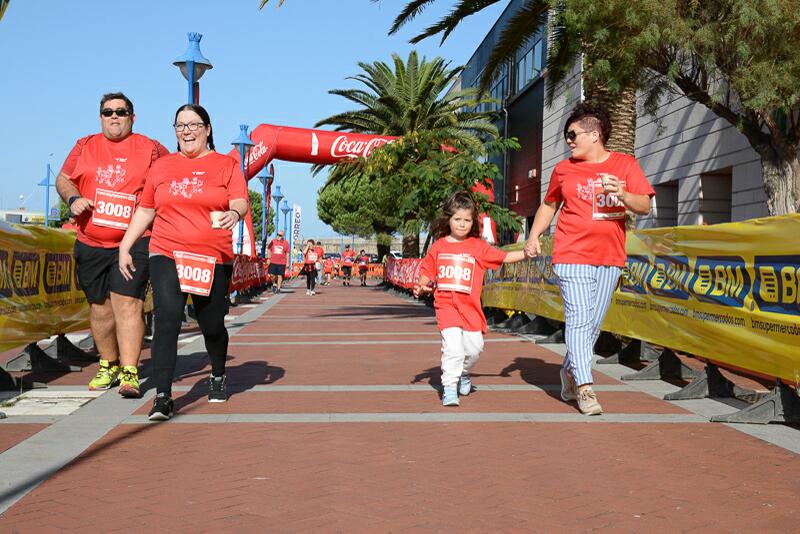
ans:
(238, 215)
(72, 199)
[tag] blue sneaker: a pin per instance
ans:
(450, 396)
(464, 385)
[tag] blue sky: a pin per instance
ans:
(270, 66)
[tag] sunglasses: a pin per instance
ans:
(573, 134)
(119, 112)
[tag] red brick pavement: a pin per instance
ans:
(14, 433)
(493, 476)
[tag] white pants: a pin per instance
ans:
(460, 350)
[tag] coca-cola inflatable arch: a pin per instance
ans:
(316, 147)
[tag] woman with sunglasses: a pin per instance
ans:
(193, 199)
(592, 189)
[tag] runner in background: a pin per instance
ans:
(593, 189)
(193, 199)
(278, 257)
(310, 266)
(327, 271)
(363, 266)
(456, 262)
(348, 259)
(318, 266)
(101, 181)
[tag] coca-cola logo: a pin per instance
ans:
(345, 148)
(256, 152)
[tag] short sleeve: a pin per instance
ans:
(490, 257)
(237, 187)
(159, 150)
(554, 189)
(72, 158)
(148, 198)
(636, 181)
(428, 265)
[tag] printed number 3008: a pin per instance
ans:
(195, 274)
(608, 201)
(455, 273)
(115, 210)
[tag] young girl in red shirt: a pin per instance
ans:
(456, 262)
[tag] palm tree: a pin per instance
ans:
(409, 97)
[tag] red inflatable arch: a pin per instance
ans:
(316, 147)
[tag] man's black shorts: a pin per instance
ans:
(276, 269)
(98, 271)
(347, 270)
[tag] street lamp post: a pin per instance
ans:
(285, 209)
(266, 177)
(193, 65)
(278, 196)
(47, 185)
(243, 145)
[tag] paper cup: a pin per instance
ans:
(215, 217)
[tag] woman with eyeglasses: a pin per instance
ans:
(193, 199)
(592, 189)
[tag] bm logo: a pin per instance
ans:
(26, 273)
(777, 285)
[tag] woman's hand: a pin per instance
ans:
(533, 247)
(611, 185)
(229, 219)
(126, 266)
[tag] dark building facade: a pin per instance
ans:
(519, 91)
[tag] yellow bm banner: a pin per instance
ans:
(39, 294)
(729, 292)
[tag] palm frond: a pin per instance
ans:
(449, 22)
(412, 9)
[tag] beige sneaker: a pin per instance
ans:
(587, 402)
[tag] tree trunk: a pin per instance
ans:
(781, 183)
(622, 111)
(410, 239)
(384, 241)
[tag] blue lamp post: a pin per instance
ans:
(286, 209)
(278, 196)
(243, 144)
(47, 184)
(193, 65)
(266, 178)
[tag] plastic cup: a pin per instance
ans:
(215, 219)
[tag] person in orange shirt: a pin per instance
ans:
(278, 258)
(456, 262)
(101, 181)
(192, 199)
(310, 257)
(327, 271)
(363, 266)
(348, 259)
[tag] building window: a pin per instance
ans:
(665, 211)
(715, 196)
(529, 65)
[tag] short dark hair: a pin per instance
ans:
(200, 110)
(116, 96)
(592, 118)
(460, 200)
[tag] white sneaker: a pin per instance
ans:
(308, 292)
(587, 402)
(313, 292)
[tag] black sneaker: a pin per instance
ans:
(216, 389)
(163, 408)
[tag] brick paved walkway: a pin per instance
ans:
(335, 425)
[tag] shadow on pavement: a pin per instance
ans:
(240, 378)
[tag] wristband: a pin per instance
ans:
(72, 199)
(238, 215)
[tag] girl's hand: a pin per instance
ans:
(532, 247)
(420, 289)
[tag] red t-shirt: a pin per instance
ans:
(328, 265)
(278, 251)
(313, 255)
(320, 252)
(348, 257)
(184, 191)
(591, 225)
(447, 263)
(113, 166)
(363, 260)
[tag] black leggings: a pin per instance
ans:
(168, 304)
(311, 279)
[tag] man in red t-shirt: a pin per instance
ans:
(348, 260)
(101, 181)
(278, 256)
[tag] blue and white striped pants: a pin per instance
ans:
(586, 291)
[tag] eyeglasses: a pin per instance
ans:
(192, 126)
(119, 112)
(573, 134)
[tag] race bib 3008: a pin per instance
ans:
(112, 209)
(455, 272)
(195, 272)
(606, 205)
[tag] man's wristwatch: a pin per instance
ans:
(72, 199)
